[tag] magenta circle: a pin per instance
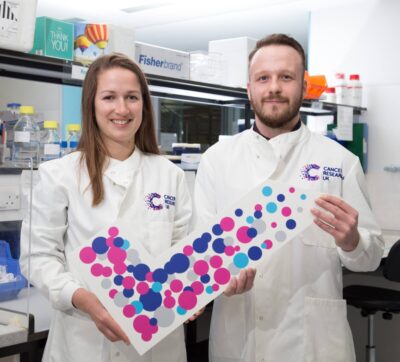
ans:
(97, 269)
(87, 255)
(169, 302)
(268, 244)
(129, 311)
(215, 287)
(107, 271)
(200, 267)
(286, 211)
(222, 276)
(216, 261)
(242, 236)
(291, 190)
(237, 248)
(120, 268)
(188, 250)
(176, 285)
(113, 231)
(146, 336)
(112, 293)
(274, 225)
(116, 255)
(187, 300)
(142, 288)
(110, 242)
(197, 287)
(258, 207)
(128, 282)
(227, 224)
(229, 250)
(168, 293)
(149, 277)
(141, 323)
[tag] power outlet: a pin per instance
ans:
(10, 198)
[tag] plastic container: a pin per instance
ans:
(73, 135)
(50, 142)
(25, 148)
(63, 148)
(354, 90)
(9, 290)
(330, 95)
(341, 89)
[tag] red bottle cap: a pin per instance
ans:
(354, 77)
(330, 90)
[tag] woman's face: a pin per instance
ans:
(118, 108)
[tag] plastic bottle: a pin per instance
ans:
(14, 109)
(73, 134)
(330, 95)
(25, 148)
(341, 88)
(50, 142)
(355, 90)
(64, 148)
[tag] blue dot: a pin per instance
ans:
(209, 289)
(130, 268)
(251, 233)
(190, 289)
(140, 271)
(206, 237)
(267, 191)
(290, 224)
(179, 263)
(138, 306)
(128, 293)
(160, 275)
(271, 207)
(263, 246)
(181, 311)
(218, 245)
(249, 219)
(153, 321)
(151, 300)
(240, 260)
(205, 278)
(200, 245)
(303, 196)
(280, 197)
(216, 229)
(118, 280)
(118, 242)
(254, 253)
(238, 212)
(99, 245)
(258, 214)
(156, 287)
(126, 245)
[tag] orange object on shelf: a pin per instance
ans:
(316, 85)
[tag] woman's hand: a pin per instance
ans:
(88, 303)
(241, 284)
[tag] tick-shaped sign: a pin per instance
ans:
(150, 297)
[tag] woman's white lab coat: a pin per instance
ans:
(295, 312)
(63, 218)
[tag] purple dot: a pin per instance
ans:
(200, 267)
(87, 255)
(97, 269)
(129, 311)
(116, 255)
(286, 211)
(216, 261)
(222, 276)
(188, 250)
(153, 321)
(113, 231)
(176, 285)
(242, 236)
(187, 300)
(227, 224)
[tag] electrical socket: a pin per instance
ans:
(10, 198)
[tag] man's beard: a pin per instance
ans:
(279, 120)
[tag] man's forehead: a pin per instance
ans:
(272, 53)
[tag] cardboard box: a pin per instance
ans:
(234, 52)
(162, 61)
(90, 41)
(53, 38)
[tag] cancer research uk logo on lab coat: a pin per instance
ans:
(311, 172)
(156, 202)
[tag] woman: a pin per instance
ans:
(116, 167)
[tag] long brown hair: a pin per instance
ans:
(94, 151)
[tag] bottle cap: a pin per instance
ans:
(330, 90)
(339, 75)
(354, 77)
(73, 127)
(27, 110)
(13, 105)
(50, 124)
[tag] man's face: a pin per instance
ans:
(276, 86)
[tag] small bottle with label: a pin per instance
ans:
(330, 95)
(50, 142)
(73, 135)
(355, 90)
(341, 89)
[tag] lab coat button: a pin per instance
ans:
(258, 156)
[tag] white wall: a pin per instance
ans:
(364, 39)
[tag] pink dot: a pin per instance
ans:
(128, 282)
(268, 244)
(197, 287)
(237, 248)
(149, 277)
(216, 261)
(215, 287)
(286, 211)
(188, 250)
(107, 271)
(176, 285)
(113, 231)
(227, 224)
(141, 323)
(229, 250)
(200, 267)
(116, 255)
(120, 268)
(258, 207)
(291, 190)
(112, 293)
(222, 276)
(129, 311)
(142, 288)
(242, 236)
(187, 300)
(169, 302)
(97, 269)
(110, 242)
(273, 225)
(146, 337)
(87, 255)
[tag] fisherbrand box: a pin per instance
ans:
(53, 38)
(162, 61)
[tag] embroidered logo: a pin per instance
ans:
(155, 202)
(305, 172)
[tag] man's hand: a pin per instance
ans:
(340, 220)
(88, 303)
(241, 284)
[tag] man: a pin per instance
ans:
(295, 311)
